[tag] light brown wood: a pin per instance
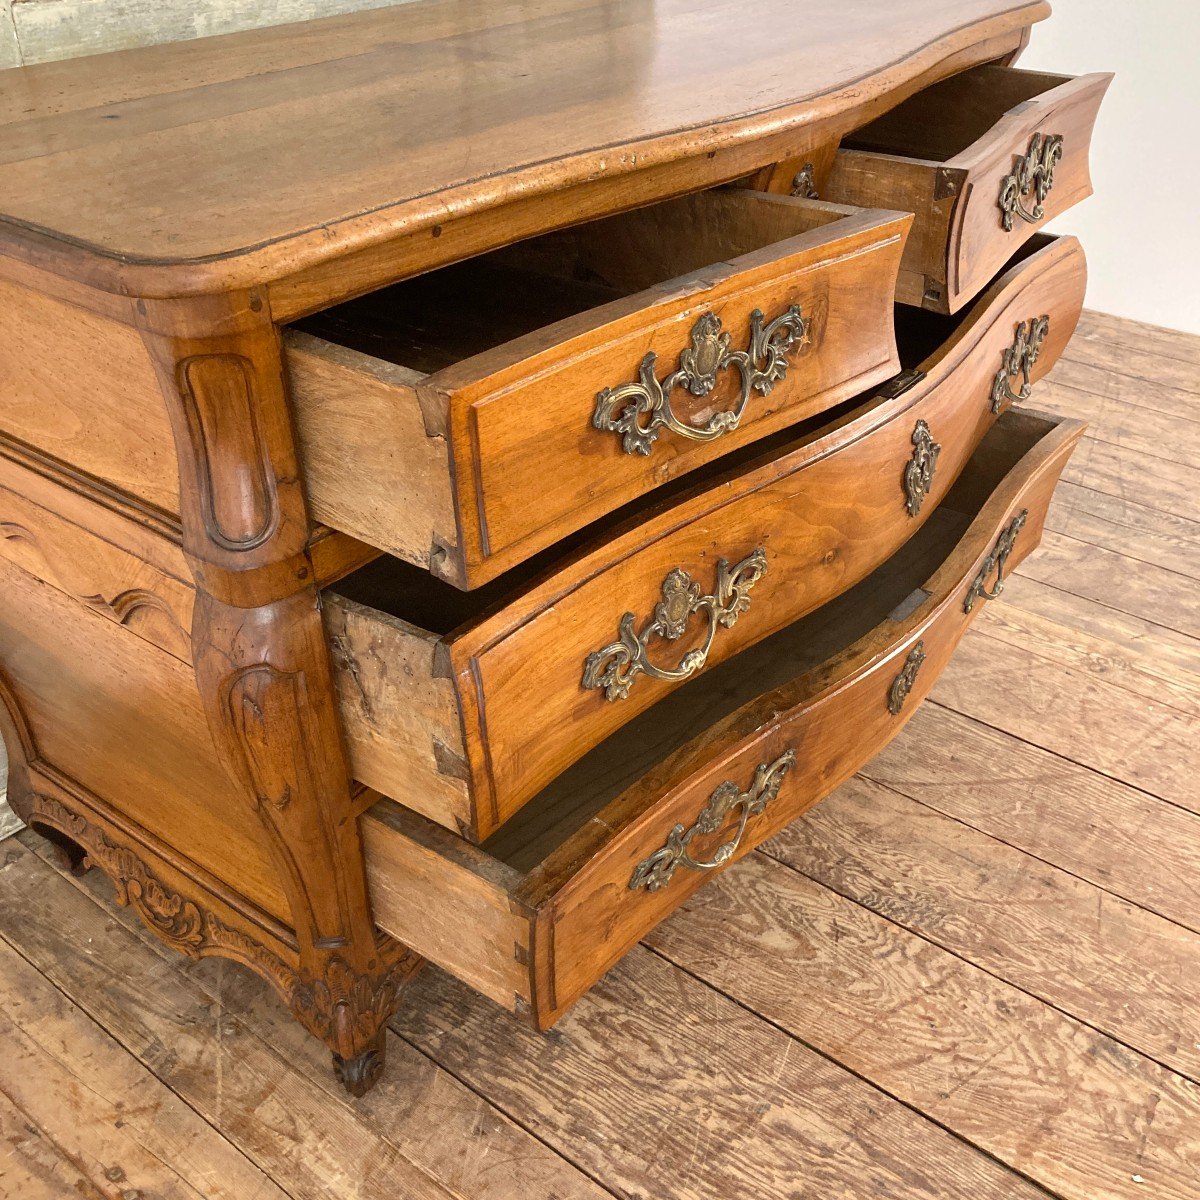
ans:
(576, 904)
(944, 154)
(204, 189)
(827, 508)
(467, 407)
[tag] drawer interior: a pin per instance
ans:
(432, 321)
(412, 595)
(893, 590)
(942, 121)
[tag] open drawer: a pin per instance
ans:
(468, 418)
(983, 159)
(464, 705)
(535, 916)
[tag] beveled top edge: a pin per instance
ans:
(203, 184)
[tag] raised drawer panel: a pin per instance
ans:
(624, 837)
(598, 637)
(983, 160)
(457, 421)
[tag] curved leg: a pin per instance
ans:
(261, 658)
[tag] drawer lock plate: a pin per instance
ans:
(655, 872)
(918, 471)
(903, 683)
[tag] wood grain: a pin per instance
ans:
(477, 108)
(1112, 835)
(1111, 964)
(105, 1115)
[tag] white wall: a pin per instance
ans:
(1141, 230)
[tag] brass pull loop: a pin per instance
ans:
(1033, 172)
(995, 562)
(918, 471)
(1018, 359)
(655, 872)
(615, 667)
(639, 411)
(903, 683)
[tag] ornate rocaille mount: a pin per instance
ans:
(903, 683)
(1032, 173)
(639, 411)
(1018, 359)
(342, 1007)
(656, 871)
(615, 667)
(918, 471)
(804, 184)
(995, 561)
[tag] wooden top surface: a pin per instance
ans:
(283, 147)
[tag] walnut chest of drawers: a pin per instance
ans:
(466, 479)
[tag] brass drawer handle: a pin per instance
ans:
(995, 562)
(616, 666)
(918, 471)
(1033, 172)
(1018, 359)
(903, 683)
(638, 411)
(655, 872)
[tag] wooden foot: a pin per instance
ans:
(359, 1074)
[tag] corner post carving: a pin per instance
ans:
(260, 656)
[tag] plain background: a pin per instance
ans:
(1141, 230)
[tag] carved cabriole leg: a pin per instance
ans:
(261, 659)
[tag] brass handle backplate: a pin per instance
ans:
(903, 683)
(918, 471)
(995, 561)
(655, 872)
(1018, 359)
(615, 667)
(639, 411)
(1032, 174)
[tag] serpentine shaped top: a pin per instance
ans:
(261, 156)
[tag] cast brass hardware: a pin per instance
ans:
(638, 411)
(1018, 359)
(1033, 172)
(918, 471)
(803, 184)
(615, 667)
(903, 683)
(995, 562)
(655, 872)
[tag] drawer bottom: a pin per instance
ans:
(538, 913)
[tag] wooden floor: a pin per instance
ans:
(973, 972)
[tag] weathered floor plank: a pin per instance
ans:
(1103, 831)
(1111, 964)
(1086, 1116)
(265, 1096)
(1167, 487)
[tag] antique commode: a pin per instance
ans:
(469, 473)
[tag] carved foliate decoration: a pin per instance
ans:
(996, 562)
(1032, 176)
(180, 922)
(615, 667)
(639, 411)
(1017, 361)
(918, 471)
(655, 872)
(903, 683)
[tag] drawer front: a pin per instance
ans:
(546, 439)
(534, 917)
(974, 208)
(772, 762)
(596, 645)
